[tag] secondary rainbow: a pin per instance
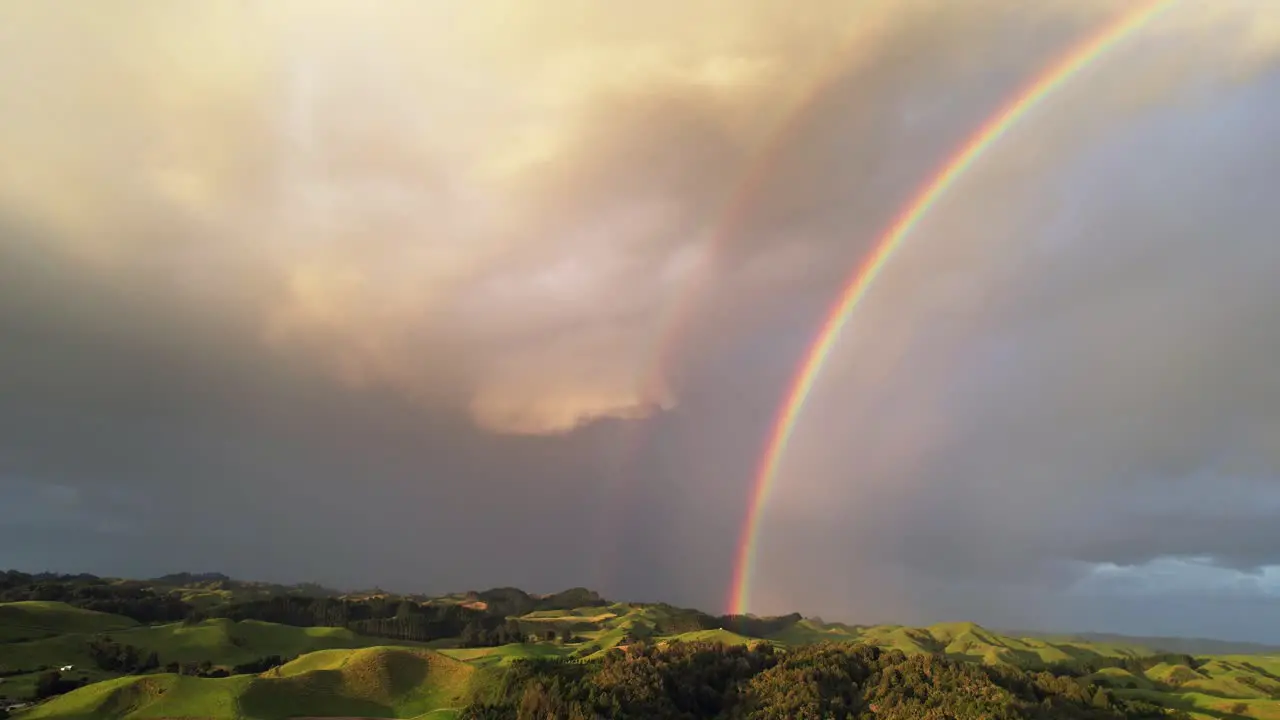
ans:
(736, 207)
(1044, 84)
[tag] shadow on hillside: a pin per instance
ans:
(319, 692)
(1177, 702)
(1171, 689)
(1079, 654)
(1261, 671)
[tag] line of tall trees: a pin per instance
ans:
(130, 599)
(377, 617)
(475, 634)
(396, 619)
(261, 665)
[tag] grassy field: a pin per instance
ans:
(33, 620)
(338, 673)
(222, 642)
(390, 682)
(1228, 686)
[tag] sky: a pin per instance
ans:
(440, 296)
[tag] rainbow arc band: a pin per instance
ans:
(1044, 84)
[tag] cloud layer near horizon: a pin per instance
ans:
(407, 270)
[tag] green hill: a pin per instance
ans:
(1190, 646)
(386, 682)
(339, 672)
(505, 654)
(35, 619)
(221, 642)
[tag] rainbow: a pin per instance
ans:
(653, 384)
(1043, 85)
(735, 210)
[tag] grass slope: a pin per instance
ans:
(391, 682)
(960, 641)
(506, 654)
(37, 619)
(222, 642)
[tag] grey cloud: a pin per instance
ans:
(1109, 401)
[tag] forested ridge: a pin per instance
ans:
(396, 618)
(837, 681)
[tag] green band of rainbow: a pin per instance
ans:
(1044, 84)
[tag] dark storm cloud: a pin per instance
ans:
(293, 303)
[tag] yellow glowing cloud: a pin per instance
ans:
(490, 200)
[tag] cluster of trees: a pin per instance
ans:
(261, 665)
(838, 681)
(475, 634)
(204, 669)
(53, 683)
(112, 656)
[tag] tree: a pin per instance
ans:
(48, 684)
(470, 635)
(566, 636)
(406, 609)
(1102, 699)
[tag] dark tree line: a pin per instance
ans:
(130, 599)
(395, 619)
(52, 683)
(261, 665)
(204, 669)
(476, 634)
(1136, 665)
(836, 681)
(377, 617)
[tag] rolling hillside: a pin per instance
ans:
(339, 672)
(221, 643)
(371, 682)
(36, 619)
